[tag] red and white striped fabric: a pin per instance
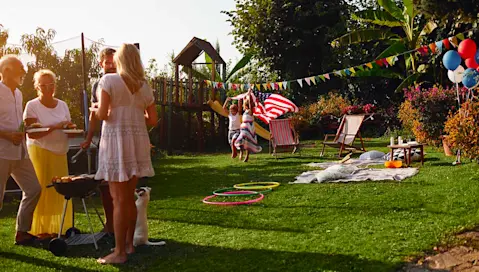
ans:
(282, 132)
(269, 106)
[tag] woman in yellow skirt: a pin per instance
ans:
(48, 153)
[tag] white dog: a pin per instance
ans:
(141, 228)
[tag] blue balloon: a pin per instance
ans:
(471, 77)
(477, 57)
(451, 60)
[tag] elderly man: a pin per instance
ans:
(14, 158)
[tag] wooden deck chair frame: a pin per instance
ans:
(336, 143)
(274, 146)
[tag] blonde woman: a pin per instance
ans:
(126, 106)
(48, 152)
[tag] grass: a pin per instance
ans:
(364, 226)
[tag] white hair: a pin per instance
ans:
(7, 61)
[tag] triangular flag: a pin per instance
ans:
(322, 78)
(390, 60)
(276, 86)
(208, 83)
(385, 62)
(460, 36)
(326, 76)
(396, 58)
(446, 43)
(439, 46)
(280, 85)
(269, 85)
(379, 62)
(308, 80)
(246, 86)
(285, 85)
(300, 82)
(360, 67)
(347, 72)
(258, 86)
(433, 47)
(369, 65)
(220, 85)
(313, 79)
(338, 73)
(352, 70)
(453, 41)
(265, 85)
(241, 87)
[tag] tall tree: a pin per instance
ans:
(291, 37)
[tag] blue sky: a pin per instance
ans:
(159, 26)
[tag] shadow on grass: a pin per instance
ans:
(40, 262)
(176, 256)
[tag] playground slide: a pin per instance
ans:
(216, 106)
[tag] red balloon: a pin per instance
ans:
(467, 49)
(477, 69)
(471, 63)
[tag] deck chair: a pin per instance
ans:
(347, 132)
(283, 135)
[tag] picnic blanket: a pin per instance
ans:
(354, 173)
(355, 162)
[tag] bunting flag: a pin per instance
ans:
(453, 41)
(300, 82)
(308, 80)
(436, 47)
(271, 106)
(439, 46)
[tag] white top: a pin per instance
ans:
(235, 121)
(125, 143)
(11, 107)
(55, 141)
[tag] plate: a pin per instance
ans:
(34, 130)
(73, 131)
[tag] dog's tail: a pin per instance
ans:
(160, 243)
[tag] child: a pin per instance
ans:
(234, 118)
(247, 139)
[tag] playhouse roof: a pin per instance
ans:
(194, 49)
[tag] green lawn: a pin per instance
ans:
(365, 226)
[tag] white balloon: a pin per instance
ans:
(456, 75)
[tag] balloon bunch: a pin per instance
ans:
(467, 51)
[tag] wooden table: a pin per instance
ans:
(407, 152)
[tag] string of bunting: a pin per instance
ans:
(435, 47)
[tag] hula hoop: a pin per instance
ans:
(205, 200)
(230, 192)
(254, 185)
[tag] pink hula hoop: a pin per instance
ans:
(232, 203)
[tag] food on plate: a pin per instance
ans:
(36, 125)
(70, 126)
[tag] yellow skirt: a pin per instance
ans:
(48, 213)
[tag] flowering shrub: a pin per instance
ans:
(463, 129)
(425, 111)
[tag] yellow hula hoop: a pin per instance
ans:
(257, 185)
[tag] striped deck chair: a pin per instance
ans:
(347, 132)
(283, 135)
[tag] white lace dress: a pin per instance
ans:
(125, 144)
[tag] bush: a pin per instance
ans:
(463, 129)
(425, 111)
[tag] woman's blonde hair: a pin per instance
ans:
(129, 66)
(41, 73)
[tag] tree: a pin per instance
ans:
(447, 10)
(290, 37)
(4, 49)
(401, 26)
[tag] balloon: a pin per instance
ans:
(456, 75)
(470, 78)
(477, 56)
(467, 49)
(471, 63)
(451, 60)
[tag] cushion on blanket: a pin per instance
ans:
(335, 172)
(371, 155)
(399, 155)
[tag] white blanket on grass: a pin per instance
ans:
(355, 162)
(360, 174)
